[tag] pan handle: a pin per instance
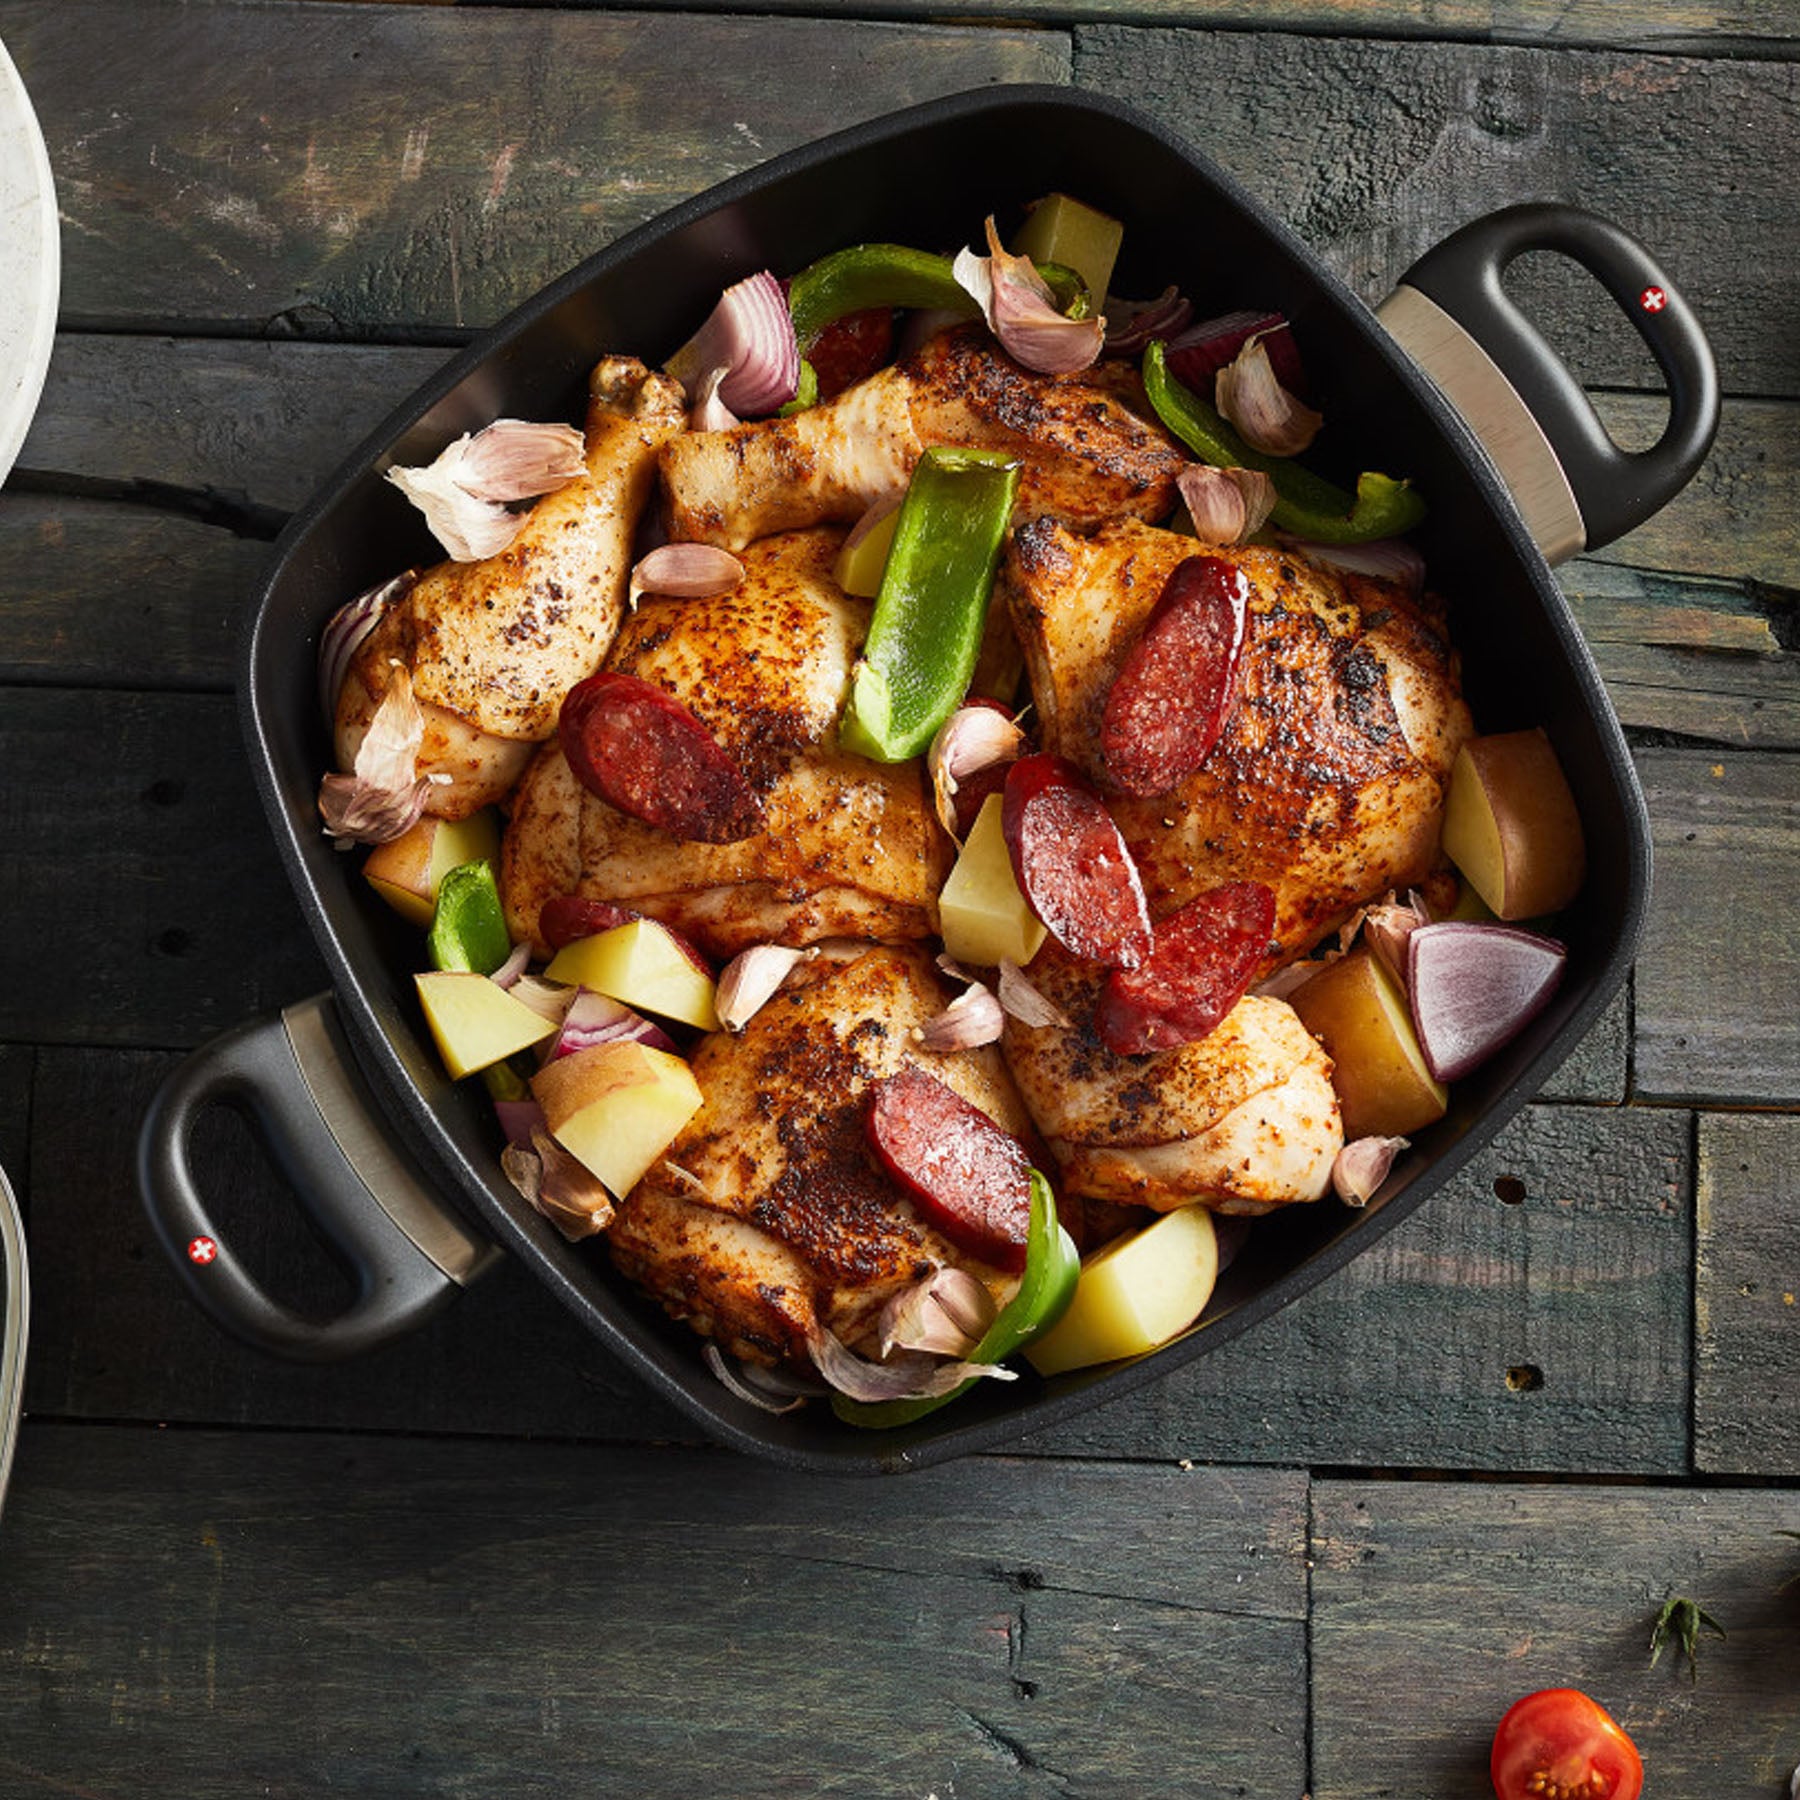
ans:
(1576, 488)
(293, 1074)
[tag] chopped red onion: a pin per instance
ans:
(1132, 324)
(1387, 559)
(750, 334)
(1474, 988)
(344, 634)
(733, 1381)
(519, 1119)
(594, 1019)
(508, 973)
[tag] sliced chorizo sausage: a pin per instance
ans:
(646, 754)
(1170, 699)
(967, 1176)
(1199, 970)
(1071, 863)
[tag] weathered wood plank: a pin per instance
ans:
(1533, 1316)
(1748, 27)
(136, 846)
(414, 169)
(1451, 1601)
(1598, 1067)
(1689, 655)
(1398, 143)
(457, 1622)
(1720, 968)
(1747, 1296)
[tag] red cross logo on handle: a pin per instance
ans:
(1653, 299)
(202, 1250)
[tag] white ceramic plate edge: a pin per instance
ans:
(30, 262)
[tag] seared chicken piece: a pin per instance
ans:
(1089, 451)
(1243, 1121)
(850, 848)
(494, 646)
(1328, 781)
(769, 1215)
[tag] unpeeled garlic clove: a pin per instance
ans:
(1016, 302)
(752, 979)
(971, 739)
(1248, 393)
(1362, 1166)
(972, 1019)
(1226, 505)
(686, 572)
(1020, 1000)
(946, 1314)
(384, 795)
(463, 491)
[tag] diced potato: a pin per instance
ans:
(617, 1107)
(476, 1023)
(406, 871)
(982, 913)
(1357, 1010)
(1061, 230)
(1134, 1293)
(859, 566)
(642, 966)
(1511, 826)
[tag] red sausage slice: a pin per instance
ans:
(852, 348)
(967, 1176)
(645, 753)
(1169, 701)
(1072, 865)
(567, 918)
(1204, 957)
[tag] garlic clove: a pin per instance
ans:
(1226, 505)
(384, 795)
(558, 1186)
(971, 739)
(1248, 393)
(946, 1314)
(686, 572)
(1021, 1001)
(1362, 1166)
(752, 979)
(972, 1019)
(1016, 302)
(462, 492)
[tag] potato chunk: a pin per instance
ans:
(1511, 826)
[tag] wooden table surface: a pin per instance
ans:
(486, 1562)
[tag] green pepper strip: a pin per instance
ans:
(925, 633)
(1052, 1267)
(805, 395)
(468, 933)
(866, 275)
(1306, 504)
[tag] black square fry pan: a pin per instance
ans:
(398, 1166)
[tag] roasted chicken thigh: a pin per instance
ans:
(493, 646)
(1327, 783)
(769, 1218)
(849, 848)
(1087, 450)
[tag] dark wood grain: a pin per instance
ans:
(1544, 1330)
(1598, 1068)
(1716, 982)
(136, 847)
(1762, 27)
(1747, 1296)
(1691, 655)
(17, 1062)
(1396, 144)
(559, 1620)
(1450, 1602)
(409, 169)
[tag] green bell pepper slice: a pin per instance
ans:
(468, 933)
(866, 275)
(1052, 1267)
(925, 634)
(1306, 504)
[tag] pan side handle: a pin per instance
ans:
(293, 1075)
(1574, 486)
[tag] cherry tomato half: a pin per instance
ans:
(1558, 1742)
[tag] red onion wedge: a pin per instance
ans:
(1388, 559)
(344, 634)
(594, 1019)
(519, 1119)
(1131, 324)
(1474, 988)
(750, 334)
(1200, 352)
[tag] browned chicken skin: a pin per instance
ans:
(769, 1216)
(493, 646)
(1243, 1121)
(1328, 781)
(850, 847)
(1088, 451)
